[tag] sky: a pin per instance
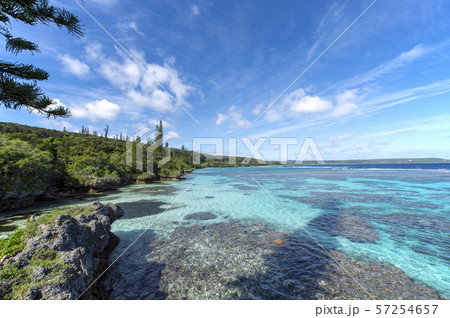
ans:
(364, 79)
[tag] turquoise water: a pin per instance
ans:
(407, 210)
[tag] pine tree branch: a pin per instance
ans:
(22, 71)
(16, 95)
(17, 45)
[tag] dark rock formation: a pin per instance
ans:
(348, 225)
(200, 216)
(81, 244)
(146, 178)
(16, 203)
(105, 183)
(233, 261)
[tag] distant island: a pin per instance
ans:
(378, 161)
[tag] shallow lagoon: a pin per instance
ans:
(388, 215)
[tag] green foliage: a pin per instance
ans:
(12, 245)
(18, 82)
(22, 277)
(24, 167)
(15, 243)
(31, 229)
(31, 159)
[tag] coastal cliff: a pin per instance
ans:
(60, 254)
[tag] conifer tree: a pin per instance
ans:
(18, 82)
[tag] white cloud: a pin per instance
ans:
(105, 3)
(327, 27)
(394, 64)
(57, 124)
(258, 109)
(221, 118)
(142, 83)
(355, 146)
(234, 117)
(101, 109)
(274, 114)
(195, 10)
(74, 66)
(345, 103)
(172, 135)
(130, 25)
(300, 102)
(333, 139)
(94, 51)
(154, 122)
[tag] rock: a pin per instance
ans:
(78, 245)
(351, 226)
(201, 216)
(146, 178)
(168, 178)
(319, 296)
(39, 273)
(234, 261)
(50, 194)
(15, 204)
(106, 183)
(3, 259)
(33, 293)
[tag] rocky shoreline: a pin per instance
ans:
(64, 256)
(226, 260)
(11, 201)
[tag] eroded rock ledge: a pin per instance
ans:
(61, 261)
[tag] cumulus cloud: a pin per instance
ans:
(234, 117)
(221, 118)
(101, 109)
(300, 102)
(158, 87)
(172, 135)
(345, 103)
(258, 109)
(94, 51)
(195, 10)
(74, 66)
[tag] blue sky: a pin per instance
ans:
(382, 90)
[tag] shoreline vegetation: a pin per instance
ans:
(38, 164)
